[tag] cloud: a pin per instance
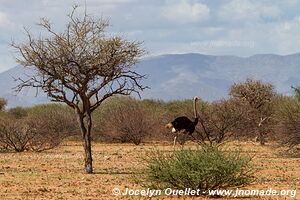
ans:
(169, 26)
(241, 10)
(270, 12)
(4, 21)
(289, 26)
(185, 12)
(285, 35)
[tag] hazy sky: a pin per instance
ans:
(235, 27)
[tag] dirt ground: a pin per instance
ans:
(58, 174)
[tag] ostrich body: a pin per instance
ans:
(184, 124)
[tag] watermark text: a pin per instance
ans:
(197, 192)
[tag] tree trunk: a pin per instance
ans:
(85, 127)
(261, 132)
(260, 136)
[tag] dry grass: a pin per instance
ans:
(58, 174)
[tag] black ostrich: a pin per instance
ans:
(184, 124)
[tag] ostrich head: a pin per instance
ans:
(170, 125)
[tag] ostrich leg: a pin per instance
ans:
(174, 142)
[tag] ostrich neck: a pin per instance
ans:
(195, 110)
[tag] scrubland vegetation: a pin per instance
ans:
(128, 120)
(253, 111)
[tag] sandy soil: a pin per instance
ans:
(58, 174)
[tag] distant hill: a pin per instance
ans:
(186, 75)
(181, 76)
(27, 97)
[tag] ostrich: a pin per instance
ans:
(184, 124)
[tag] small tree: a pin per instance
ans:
(256, 97)
(81, 67)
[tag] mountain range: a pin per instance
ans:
(182, 76)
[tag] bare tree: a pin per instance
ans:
(256, 97)
(217, 120)
(15, 134)
(24, 130)
(130, 122)
(81, 67)
(51, 127)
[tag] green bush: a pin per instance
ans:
(205, 168)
